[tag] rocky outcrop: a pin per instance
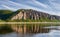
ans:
(33, 14)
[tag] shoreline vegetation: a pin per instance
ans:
(29, 22)
(42, 20)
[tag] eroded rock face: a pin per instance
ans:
(20, 15)
(32, 14)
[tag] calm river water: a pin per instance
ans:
(52, 33)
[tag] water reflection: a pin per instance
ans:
(54, 27)
(52, 33)
(14, 34)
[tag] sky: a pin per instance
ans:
(47, 6)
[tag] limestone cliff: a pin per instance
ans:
(33, 14)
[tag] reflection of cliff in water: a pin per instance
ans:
(30, 29)
(38, 30)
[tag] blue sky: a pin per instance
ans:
(48, 6)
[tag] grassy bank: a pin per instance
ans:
(30, 20)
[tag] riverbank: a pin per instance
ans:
(29, 22)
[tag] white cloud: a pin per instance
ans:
(8, 7)
(54, 4)
(39, 3)
(20, 5)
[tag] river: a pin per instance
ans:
(52, 33)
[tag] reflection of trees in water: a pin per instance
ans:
(5, 29)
